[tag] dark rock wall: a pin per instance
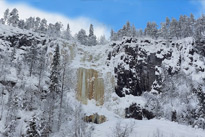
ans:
(140, 75)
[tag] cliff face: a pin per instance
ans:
(143, 64)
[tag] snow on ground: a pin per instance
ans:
(147, 128)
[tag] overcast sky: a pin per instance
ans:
(105, 14)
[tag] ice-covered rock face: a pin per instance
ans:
(142, 64)
(90, 86)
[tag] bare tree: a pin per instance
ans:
(79, 127)
(123, 131)
(64, 70)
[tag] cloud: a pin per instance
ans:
(201, 7)
(26, 11)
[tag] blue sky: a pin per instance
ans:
(115, 13)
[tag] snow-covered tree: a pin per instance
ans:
(91, 30)
(37, 23)
(140, 33)
(58, 27)
(103, 40)
(167, 22)
(92, 39)
(43, 26)
(6, 16)
(54, 88)
(30, 23)
(54, 30)
(174, 29)
(128, 29)
(123, 130)
(21, 24)
(151, 30)
(31, 58)
(55, 72)
(82, 37)
(65, 73)
(2, 21)
(113, 35)
(199, 28)
(13, 18)
(32, 128)
(163, 31)
(133, 31)
(78, 125)
(67, 33)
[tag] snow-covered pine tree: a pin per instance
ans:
(91, 30)
(92, 40)
(55, 72)
(54, 87)
(67, 33)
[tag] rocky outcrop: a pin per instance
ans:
(95, 118)
(19, 40)
(8, 83)
(90, 86)
(137, 112)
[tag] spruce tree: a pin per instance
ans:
(91, 30)
(92, 40)
(82, 37)
(53, 95)
(55, 72)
